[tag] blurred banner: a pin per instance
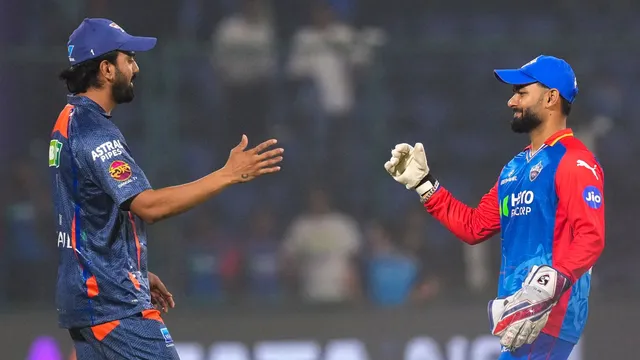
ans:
(441, 332)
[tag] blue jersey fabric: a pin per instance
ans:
(141, 337)
(545, 347)
(528, 197)
(102, 272)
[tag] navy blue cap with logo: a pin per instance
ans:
(96, 37)
(550, 71)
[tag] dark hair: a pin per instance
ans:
(80, 77)
(565, 105)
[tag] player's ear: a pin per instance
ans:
(552, 97)
(108, 70)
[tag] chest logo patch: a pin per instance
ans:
(535, 171)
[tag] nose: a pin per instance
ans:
(513, 101)
(136, 68)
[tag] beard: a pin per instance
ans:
(526, 123)
(122, 89)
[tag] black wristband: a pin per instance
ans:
(429, 177)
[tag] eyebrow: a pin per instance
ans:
(129, 53)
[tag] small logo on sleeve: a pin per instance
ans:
(120, 170)
(592, 196)
(582, 163)
(167, 337)
(54, 153)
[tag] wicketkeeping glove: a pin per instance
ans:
(408, 166)
(519, 318)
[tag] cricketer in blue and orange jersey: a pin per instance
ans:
(106, 296)
(547, 205)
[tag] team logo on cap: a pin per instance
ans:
(70, 51)
(116, 26)
(531, 62)
(120, 170)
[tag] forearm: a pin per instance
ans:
(581, 255)
(471, 225)
(155, 205)
(408, 165)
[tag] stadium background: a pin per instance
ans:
(338, 86)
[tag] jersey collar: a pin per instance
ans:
(85, 101)
(553, 139)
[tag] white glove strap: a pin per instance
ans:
(422, 189)
(426, 190)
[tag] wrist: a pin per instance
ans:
(427, 187)
(224, 177)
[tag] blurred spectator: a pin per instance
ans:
(432, 254)
(324, 60)
(213, 256)
(245, 60)
(29, 236)
(391, 272)
(325, 52)
(320, 247)
(477, 265)
(261, 257)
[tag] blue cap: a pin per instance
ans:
(96, 37)
(549, 71)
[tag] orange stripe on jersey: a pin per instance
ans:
(92, 282)
(152, 314)
(135, 236)
(559, 135)
(73, 236)
(560, 138)
(101, 331)
(92, 287)
(62, 124)
(135, 281)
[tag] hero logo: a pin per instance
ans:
(107, 150)
(592, 197)
(520, 204)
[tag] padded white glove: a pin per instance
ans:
(519, 318)
(408, 166)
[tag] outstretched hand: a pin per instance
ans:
(246, 165)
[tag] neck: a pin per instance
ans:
(545, 131)
(102, 98)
